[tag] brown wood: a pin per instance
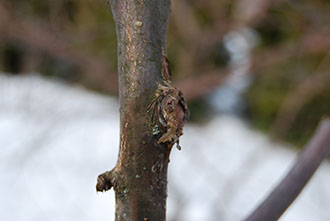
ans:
(139, 178)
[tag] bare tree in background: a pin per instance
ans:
(152, 112)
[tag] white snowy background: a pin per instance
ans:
(55, 139)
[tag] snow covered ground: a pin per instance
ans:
(55, 140)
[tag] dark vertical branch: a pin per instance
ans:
(286, 192)
(140, 175)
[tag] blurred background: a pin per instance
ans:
(255, 74)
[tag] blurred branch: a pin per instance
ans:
(315, 41)
(186, 22)
(290, 187)
(198, 86)
(199, 41)
(94, 70)
(251, 12)
(311, 87)
(204, 39)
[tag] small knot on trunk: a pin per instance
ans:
(105, 181)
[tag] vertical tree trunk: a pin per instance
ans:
(140, 175)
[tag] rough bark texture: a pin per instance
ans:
(140, 175)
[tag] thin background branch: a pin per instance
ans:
(290, 187)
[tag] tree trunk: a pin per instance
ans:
(140, 175)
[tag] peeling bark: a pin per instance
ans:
(139, 178)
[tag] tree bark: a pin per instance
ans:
(139, 178)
